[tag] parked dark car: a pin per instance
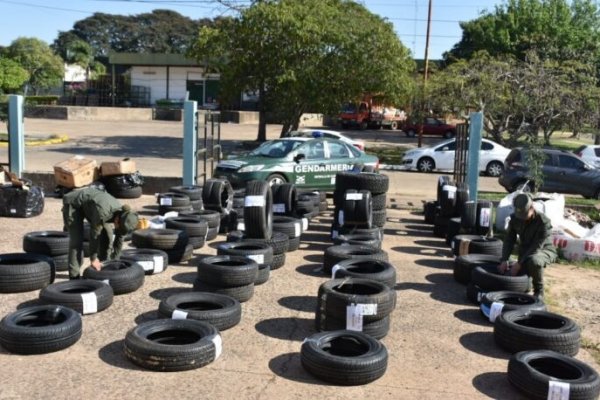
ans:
(431, 126)
(563, 172)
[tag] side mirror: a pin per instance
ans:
(299, 157)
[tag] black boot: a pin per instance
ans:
(539, 294)
(73, 278)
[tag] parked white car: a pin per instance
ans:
(441, 157)
(590, 154)
(359, 144)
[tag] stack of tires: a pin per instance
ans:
(360, 200)
(261, 253)
(486, 278)
(287, 201)
(236, 216)
(212, 219)
(53, 244)
(217, 195)
(309, 205)
(355, 304)
(193, 192)
(125, 186)
(172, 241)
(462, 245)
(195, 227)
(173, 201)
(279, 243)
(232, 276)
(25, 272)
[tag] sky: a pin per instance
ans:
(43, 19)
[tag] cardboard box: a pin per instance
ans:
(77, 171)
(125, 166)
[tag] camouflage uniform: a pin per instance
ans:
(100, 209)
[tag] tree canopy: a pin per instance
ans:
(45, 69)
(12, 75)
(305, 56)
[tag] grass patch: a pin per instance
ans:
(387, 154)
(593, 264)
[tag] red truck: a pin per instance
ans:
(371, 113)
(431, 126)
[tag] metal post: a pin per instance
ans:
(425, 73)
(190, 141)
(16, 135)
(475, 128)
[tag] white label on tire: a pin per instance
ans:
(449, 188)
(259, 258)
(90, 302)
(254, 201)
(558, 390)
(367, 309)
(354, 319)
(354, 196)
(335, 269)
(159, 264)
(452, 244)
(178, 314)
(341, 218)
(241, 226)
(147, 265)
(297, 229)
(279, 208)
(495, 310)
(106, 282)
(166, 201)
(304, 224)
(218, 342)
(334, 234)
(485, 216)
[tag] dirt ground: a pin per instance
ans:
(439, 345)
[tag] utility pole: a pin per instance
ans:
(425, 73)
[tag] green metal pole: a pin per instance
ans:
(475, 129)
(190, 142)
(16, 135)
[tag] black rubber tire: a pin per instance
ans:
(122, 275)
(379, 201)
(172, 345)
(289, 225)
(284, 198)
(461, 244)
(335, 254)
(474, 293)
(212, 233)
(212, 218)
(440, 226)
(193, 226)
(377, 329)
(452, 230)
(162, 210)
(50, 243)
(479, 223)
(240, 293)
(261, 253)
(522, 330)
(379, 218)
(371, 181)
(217, 195)
(258, 216)
(344, 357)
(448, 201)
(484, 245)
(69, 294)
(489, 280)
(197, 242)
(442, 181)
(40, 329)
(197, 204)
(193, 192)
(227, 271)
(278, 261)
(462, 196)
(376, 232)
(464, 265)
(304, 206)
(161, 239)
(152, 261)
(511, 301)
(468, 218)
(429, 209)
(180, 254)
(25, 272)
(134, 192)
(323, 206)
(336, 295)
(360, 211)
(313, 197)
(357, 239)
(532, 371)
(263, 274)
(172, 199)
(61, 263)
(294, 244)
(375, 270)
(223, 312)
(279, 241)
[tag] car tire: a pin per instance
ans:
(86, 296)
(227, 271)
(425, 164)
(411, 133)
(449, 134)
(40, 329)
(335, 254)
(172, 345)
(192, 225)
(344, 357)
(509, 301)
(357, 239)
(172, 199)
(25, 272)
(193, 192)
(217, 195)
(122, 275)
(49, 243)
(375, 270)
(464, 265)
(284, 195)
(276, 179)
(488, 279)
(429, 211)
(494, 169)
(261, 253)
(373, 182)
(223, 312)
(180, 254)
(240, 293)
(152, 261)
(533, 373)
(161, 239)
(258, 210)
(213, 218)
(394, 125)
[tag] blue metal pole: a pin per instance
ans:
(190, 142)
(16, 135)
(475, 128)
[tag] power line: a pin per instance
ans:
(19, 3)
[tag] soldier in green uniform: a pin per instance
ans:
(536, 250)
(102, 212)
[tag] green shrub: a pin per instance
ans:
(41, 100)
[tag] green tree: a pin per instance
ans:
(12, 75)
(45, 68)
(305, 56)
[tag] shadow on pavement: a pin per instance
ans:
(483, 343)
(30, 303)
(287, 328)
(495, 385)
(314, 258)
(299, 303)
(161, 294)
(113, 354)
(446, 253)
(288, 366)
(435, 263)
(442, 288)
(185, 277)
(431, 243)
(312, 270)
(472, 316)
(148, 316)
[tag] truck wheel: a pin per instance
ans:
(394, 125)
(411, 133)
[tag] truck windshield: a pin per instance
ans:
(349, 108)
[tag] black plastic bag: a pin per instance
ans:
(21, 202)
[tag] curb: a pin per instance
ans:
(41, 142)
(392, 167)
